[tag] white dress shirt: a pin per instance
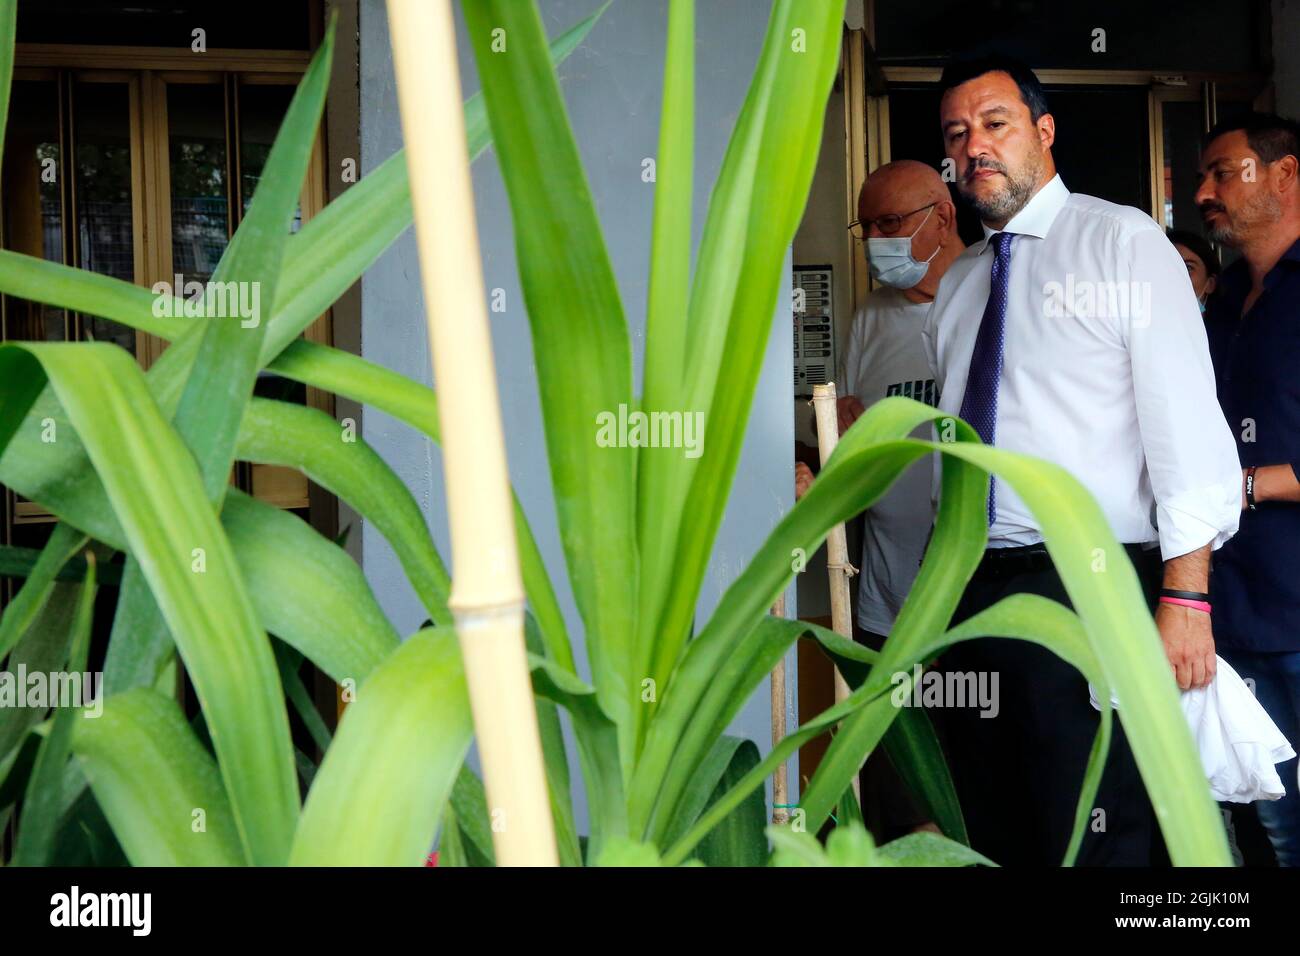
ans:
(1106, 371)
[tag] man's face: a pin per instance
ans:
(999, 152)
(912, 206)
(1236, 197)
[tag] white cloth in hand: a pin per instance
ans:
(1238, 742)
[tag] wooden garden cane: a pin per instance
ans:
(780, 782)
(487, 595)
(838, 568)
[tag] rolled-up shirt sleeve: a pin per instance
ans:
(1190, 453)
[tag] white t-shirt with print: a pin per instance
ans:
(885, 357)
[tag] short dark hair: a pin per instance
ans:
(1198, 245)
(1270, 136)
(962, 71)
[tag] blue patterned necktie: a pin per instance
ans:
(979, 406)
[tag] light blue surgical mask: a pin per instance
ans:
(892, 262)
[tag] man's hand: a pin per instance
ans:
(848, 409)
(803, 479)
(1189, 644)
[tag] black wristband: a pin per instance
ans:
(1250, 487)
(1184, 595)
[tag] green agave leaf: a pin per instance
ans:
(288, 660)
(331, 251)
(451, 845)
(173, 534)
(1025, 616)
(795, 848)
(930, 849)
(8, 30)
(159, 788)
(1114, 618)
(577, 321)
(305, 589)
(911, 743)
(40, 817)
(623, 852)
(329, 615)
(86, 837)
(306, 439)
(556, 760)
(738, 839)
(221, 380)
(1122, 637)
(703, 787)
(43, 649)
(467, 826)
(670, 276)
(416, 405)
(18, 562)
(139, 645)
(381, 787)
(711, 684)
(753, 214)
(63, 544)
(598, 755)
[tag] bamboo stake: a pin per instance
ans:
(487, 596)
(838, 568)
(780, 785)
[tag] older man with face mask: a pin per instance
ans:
(1250, 200)
(1070, 333)
(909, 224)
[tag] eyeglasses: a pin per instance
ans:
(887, 224)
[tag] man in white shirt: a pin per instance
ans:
(1070, 333)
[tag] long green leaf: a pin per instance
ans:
(191, 570)
(221, 380)
(8, 32)
(556, 760)
(64, 542)
(930, 849)
(911, 743)
(40, 818)
(738, 839)
(577, 321)
(306, 439)
(467, 825)
(43, 649)
(158, 787)
(753, 214)
(670, 276)
(416, 405)
(1110, 605)
(399, 746)
(307, 590)
(597, 740)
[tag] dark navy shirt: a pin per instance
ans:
(1255, 581)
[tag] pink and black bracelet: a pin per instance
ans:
(1196, 600)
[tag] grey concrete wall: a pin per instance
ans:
(611, 86)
